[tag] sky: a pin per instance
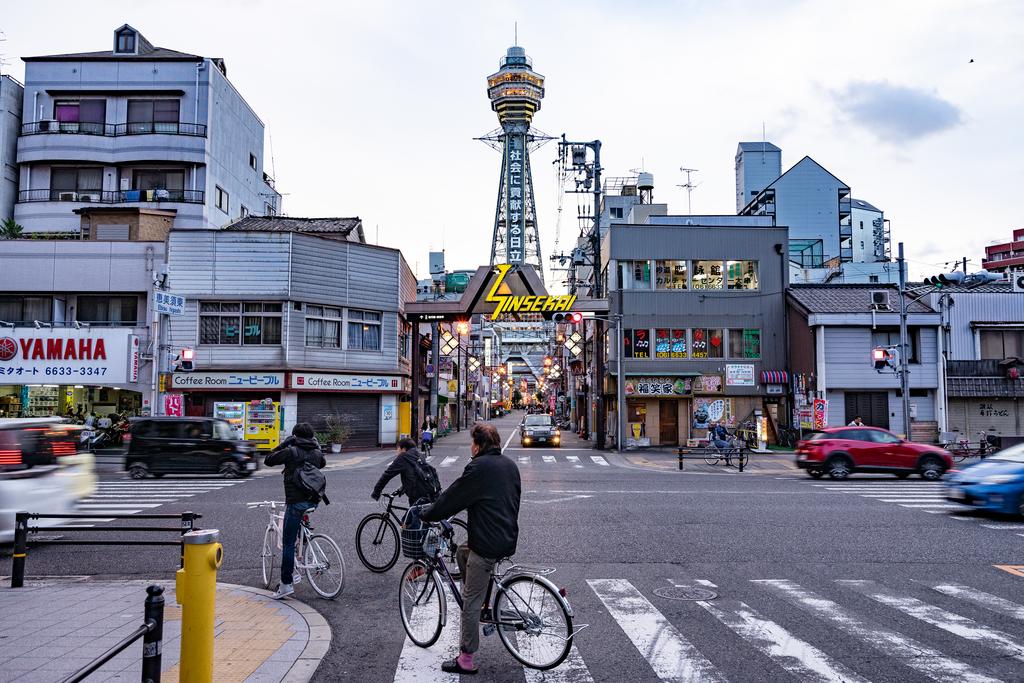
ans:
(371, 107)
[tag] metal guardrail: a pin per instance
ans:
(111, 197)
(22, 531)
(113, 130)
(737, 455)
(152, 633)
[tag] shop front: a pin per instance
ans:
(657, 409)
(70, 372)
(368, 405)
(253, 402)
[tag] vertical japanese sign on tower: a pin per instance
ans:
(516, 221)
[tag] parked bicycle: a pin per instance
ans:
(316, 555)
(378, 542)
(713, 452)
(531, 615)
(962, 448)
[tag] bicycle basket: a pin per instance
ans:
(415, 542)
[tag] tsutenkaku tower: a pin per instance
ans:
(515, 92)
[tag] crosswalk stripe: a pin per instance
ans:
(792, 654)
(913, 499)
(448, 461)
(113, 506)
(986, 600)
(673, 657)
(524, 459)
(572, 670)
(416, 661)
(548, 458)
(951, 622)
(933, 506)
(599, 460)
(908, 651)
(108, 511)
(1003, 526)
(572, 458)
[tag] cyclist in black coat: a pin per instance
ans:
(297, 449)
(405, 466)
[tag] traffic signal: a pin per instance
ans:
(954, 278)
(982, 277)
(547, 361)
(572, 317)
(186, 360)
(881, 357)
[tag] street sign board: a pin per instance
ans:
(168, 303)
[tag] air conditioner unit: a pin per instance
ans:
(880, 300)
(67, 196)
(47, 125)
(88, 196)
(1017, 278)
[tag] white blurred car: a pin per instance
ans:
(41, 469)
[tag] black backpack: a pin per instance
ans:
(427, 475)
(310, 479)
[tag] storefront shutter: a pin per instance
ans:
(362, 410)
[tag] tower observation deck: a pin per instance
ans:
(515, 91)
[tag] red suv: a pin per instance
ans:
(841, 451)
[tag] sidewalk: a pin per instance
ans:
(770, 463)
(50, 629)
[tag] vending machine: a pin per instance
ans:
(233, 412)
(263, 422)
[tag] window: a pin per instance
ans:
(323, 327)
(243, 212)
(744, 343)
(636, 344)
(405, 341)
(153, 116)
(252, 161)
(634, 274)
(223, 201)
(742, 274)
(163, 184)
(126, 42)
(233, 322)
(891, 337)
(108, 310)
(707, 275)
(615, 211)
(872, 278)
(995, 344)
(70, 184)
(81, 116)
(879, 436)
(363, 330)
(707, 343)
(23, 310)
(671, 274)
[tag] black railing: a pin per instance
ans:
(113, 130)
(112, 197)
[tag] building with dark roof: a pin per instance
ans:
(121, 142)
(345, 229)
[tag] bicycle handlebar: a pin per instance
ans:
(264, 503)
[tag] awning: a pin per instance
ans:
(774, 377)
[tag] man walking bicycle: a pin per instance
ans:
(490, 489)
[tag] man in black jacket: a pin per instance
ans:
(297, 449)
(490, 489)
(406, 466)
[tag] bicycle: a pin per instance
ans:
(532, 617)
(379, 552)
(317, 555)
(962, 449)
(713, 452)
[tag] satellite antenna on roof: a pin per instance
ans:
(764, 143)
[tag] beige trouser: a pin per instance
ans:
(476, 574)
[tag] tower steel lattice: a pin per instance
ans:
(515, 91)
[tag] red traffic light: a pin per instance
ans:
(188, 354)
(571, 318)
(880, 356)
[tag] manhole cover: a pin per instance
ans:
(685, 593)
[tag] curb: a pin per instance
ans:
(319, 636)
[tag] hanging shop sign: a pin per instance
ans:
(174, 405)
(49, 355)
(739, 375)
(659, 386)
(227, 380)
(820, 413)
(134, 350)
(709, 410)
(319, 381)
(501, 296)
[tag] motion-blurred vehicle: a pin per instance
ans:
(996, 483)
(41, 469)
(539, 429)
(187, 445)
(842, 451)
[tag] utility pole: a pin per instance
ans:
(435, 359)
(904, 360)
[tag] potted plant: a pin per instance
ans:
(337, 431)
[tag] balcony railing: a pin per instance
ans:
(115, 197)
(112, 130)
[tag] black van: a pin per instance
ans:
(187, 445)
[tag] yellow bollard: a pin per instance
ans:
(195, 589)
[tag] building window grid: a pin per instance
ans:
(249, 323)
(363, 330)
(223, 200)
(323, 327)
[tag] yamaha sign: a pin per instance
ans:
(64, 356)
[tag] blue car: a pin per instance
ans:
(996, 483)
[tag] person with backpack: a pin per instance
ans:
(304, 487)
(419, 479)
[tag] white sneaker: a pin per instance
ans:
(283, 591)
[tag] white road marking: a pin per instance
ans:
(114, 506)
(524, 459)
(1002, 526)
(792, 654)
(548, 458)
(986, 600)
(572, 458)
(430, 458)
(673, 657)
(908, 651)
(913, 499)
(416, 661)
(509, 440)
(599, 460)
(558, 500)
(940, 506)
(448, 461)
(705, 582)
(572, 670)
(950, 622)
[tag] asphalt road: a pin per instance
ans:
(867, 579)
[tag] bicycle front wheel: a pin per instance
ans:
(711, 458)
(324, 565)
(533, 622)
(377, 543)
(460, 536)
(267, 554)
(422, 602)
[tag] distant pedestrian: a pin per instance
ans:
(857, 422)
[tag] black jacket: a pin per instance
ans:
(490, 489)
(292, 452)
(412, 485)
